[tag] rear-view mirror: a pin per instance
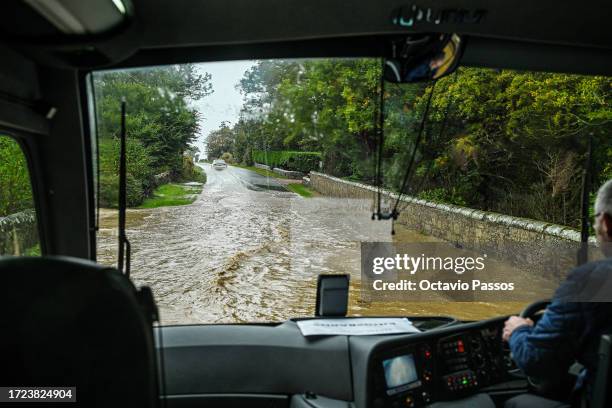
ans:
(424, 57)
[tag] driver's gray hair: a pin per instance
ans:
(603, 203)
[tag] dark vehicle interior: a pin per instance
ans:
(70, 322)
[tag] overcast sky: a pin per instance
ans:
(225, 102)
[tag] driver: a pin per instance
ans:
(571, 327)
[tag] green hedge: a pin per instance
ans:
(288, 160)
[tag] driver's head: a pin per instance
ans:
(603, 217)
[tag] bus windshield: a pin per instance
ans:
(248, 179)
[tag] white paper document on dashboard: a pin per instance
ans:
(366, 326)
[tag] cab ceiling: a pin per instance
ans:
(162, 31)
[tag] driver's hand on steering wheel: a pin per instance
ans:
(513, 323)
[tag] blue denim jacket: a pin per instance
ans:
(571, 327)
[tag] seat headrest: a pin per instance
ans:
(71, 322)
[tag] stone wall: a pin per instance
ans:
(262, 166)
(18, 232)
(282, 172)
(523, 242)
(161, 178)
(296, 175)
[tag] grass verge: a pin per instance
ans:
(263, 172)
(172, 194)
(300, 189)
(34, 251)
(199, 175)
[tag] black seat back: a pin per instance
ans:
(602, 388)
(70, 322)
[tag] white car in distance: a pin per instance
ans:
(219, 164)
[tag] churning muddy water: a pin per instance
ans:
(247, 250)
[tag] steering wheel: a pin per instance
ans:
(532, 309)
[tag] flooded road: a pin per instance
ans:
(247, 250)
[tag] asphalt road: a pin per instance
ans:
(237, 178)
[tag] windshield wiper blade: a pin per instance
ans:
(414, 150)
(124, 243)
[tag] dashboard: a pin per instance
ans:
(445, 368)
(275, 366)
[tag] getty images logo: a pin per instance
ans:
(412, 264)
(408, 16)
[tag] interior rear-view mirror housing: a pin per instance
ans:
(423, 57)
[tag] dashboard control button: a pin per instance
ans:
(426, 397)
(461, 380)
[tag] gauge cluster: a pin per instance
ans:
(442, 368)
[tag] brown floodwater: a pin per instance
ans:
(248, 251)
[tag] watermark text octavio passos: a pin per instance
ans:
(434, 271)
